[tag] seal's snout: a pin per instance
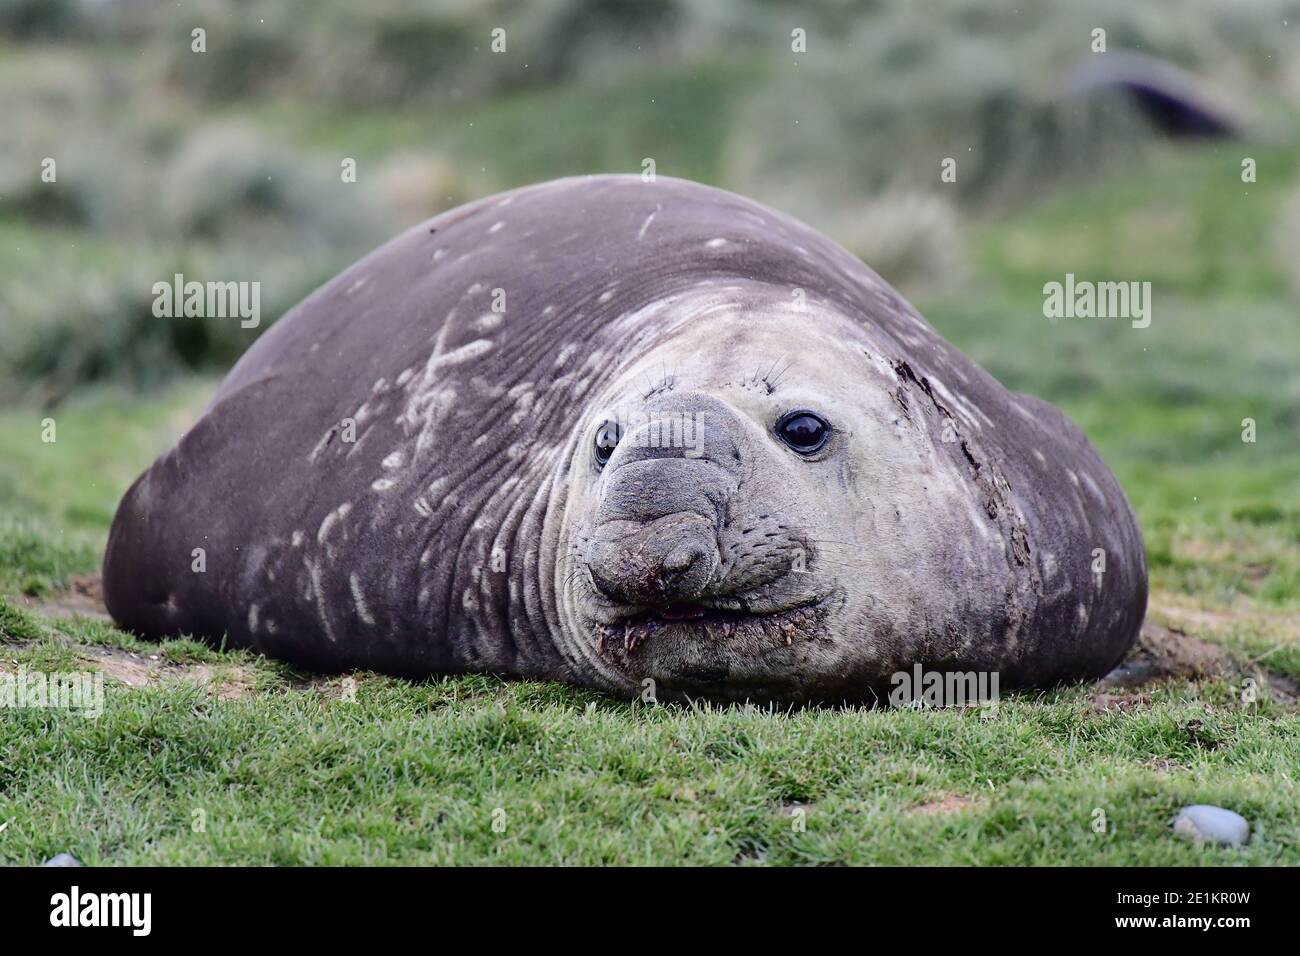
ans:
(655, 540)
(661, 562)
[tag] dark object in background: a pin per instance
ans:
(1171, 99)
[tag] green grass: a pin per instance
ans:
(285, 770)
(57, 498)
(673, 116)
(291, 773)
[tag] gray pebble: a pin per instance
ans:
(1130, 674)
(63, 859)
(1206, 824)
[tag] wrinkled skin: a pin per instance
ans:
(488, 518)
(819, 573)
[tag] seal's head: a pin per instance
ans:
(752, 513)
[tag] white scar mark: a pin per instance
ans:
(1049, 564)
(465, 353)
(1019, 408)
(496, 227)
(422, 507)
(484, 387)
(438, 254)
(297, 539)
(969, 413)
(1092, 486)
(357, 285)
(523, 405)
(716, 243)
(648, 219)
(428, 404)
(363, 612)
(252, 618)
(382, 484)
(605, 296)
(337, 514)
(488, 321)
(318, 592)
(394, 460)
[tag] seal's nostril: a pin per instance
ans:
(667, 560)
(681, 559)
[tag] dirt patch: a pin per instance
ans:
(141, 670)
(1165, 652)
(1161, 653)
(1283, 689)
(1172, 652)
(83, 598)
(943, 806)
(1257, 571)
(1118, 703)
(1168, 648)
(1199, 549)
(1179, 613)
(340, 687)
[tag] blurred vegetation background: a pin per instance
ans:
(226, 164)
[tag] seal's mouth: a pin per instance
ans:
(708, 623)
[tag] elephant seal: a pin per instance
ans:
(603, 430)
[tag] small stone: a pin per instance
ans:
(63, 859)
(1130, 674)
(1206, 824)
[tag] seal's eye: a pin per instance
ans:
(607, 436)
(803, 431)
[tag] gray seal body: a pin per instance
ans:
(610, 431)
